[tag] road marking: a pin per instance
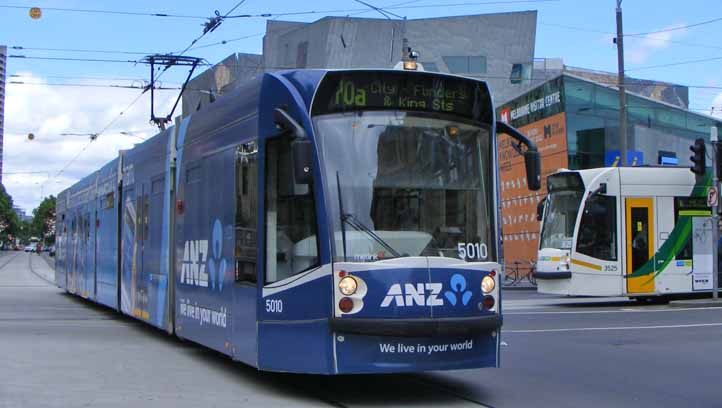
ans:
(677, 326)
(681, 309)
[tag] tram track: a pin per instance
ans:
(391, 390)
(12, 257)
(449, 391)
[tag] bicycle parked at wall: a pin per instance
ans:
(517, 272)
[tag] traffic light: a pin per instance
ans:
(698, 159)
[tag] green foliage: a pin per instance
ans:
(43, 224)
(10, 224)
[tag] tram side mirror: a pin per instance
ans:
(302, 150)
(532, 160)
(302, 161)
(540, 209)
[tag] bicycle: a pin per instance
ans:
(513, 273)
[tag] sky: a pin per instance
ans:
(49, 101)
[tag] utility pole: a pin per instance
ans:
(715, 216)
(620, 83)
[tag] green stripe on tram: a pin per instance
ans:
(678, 238)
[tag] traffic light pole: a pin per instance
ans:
(715, 216)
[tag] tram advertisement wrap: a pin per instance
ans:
(519, 223)
(356, 352)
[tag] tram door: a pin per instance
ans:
(245, 252)
(640, 243)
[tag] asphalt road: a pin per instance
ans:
(60, 351)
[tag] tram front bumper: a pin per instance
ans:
(553, 275)
(440, 327)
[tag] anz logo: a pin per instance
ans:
(197, 268)
(193, 271)
(414, 294)
(427, 294)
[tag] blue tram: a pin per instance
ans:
(310, 221)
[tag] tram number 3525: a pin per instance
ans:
(472, 250)
(274, 305)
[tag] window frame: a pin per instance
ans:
(311, 193)
(241, 189)
(610, 203)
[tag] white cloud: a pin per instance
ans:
(637, 50)
(47, 111)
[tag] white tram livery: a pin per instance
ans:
(622, 232)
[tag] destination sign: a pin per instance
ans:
(403, 90)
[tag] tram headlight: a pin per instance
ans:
(348, 285)
(487, 284)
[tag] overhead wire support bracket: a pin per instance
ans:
(167, 60)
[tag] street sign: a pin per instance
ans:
(712, 197)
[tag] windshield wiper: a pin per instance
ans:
(359, 226)
(341, 216)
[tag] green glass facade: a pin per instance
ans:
(654, 128)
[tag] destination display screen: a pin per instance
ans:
(402, 90)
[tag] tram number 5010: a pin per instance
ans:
(274, 305)
(472, 250)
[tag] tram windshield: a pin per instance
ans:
(405, 183)
(565, 196)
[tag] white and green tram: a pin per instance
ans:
(621, 232)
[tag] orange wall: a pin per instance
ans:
(520, 228)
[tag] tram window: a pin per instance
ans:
(246, 212)
(109, 200)
(291, 238)
(689, 206)
(597, 228)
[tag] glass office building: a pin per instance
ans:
(575, 123)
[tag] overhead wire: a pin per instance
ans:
(116, 86)
(674, 64)
(646, 37)
(210, 26)
(271, 14)
(95, 51)
(676, 28)
(98, 11)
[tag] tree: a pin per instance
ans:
(43, 224)
(10, 224)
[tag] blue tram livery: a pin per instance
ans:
(309, 221)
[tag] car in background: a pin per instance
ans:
(30, 248)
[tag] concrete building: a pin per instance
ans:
(21, 214)
(3, 65)
(490, 46)
(498, 48)
(208, 85)
(575, 123)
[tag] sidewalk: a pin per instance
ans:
(40, 266)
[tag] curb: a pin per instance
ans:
(515, 287)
